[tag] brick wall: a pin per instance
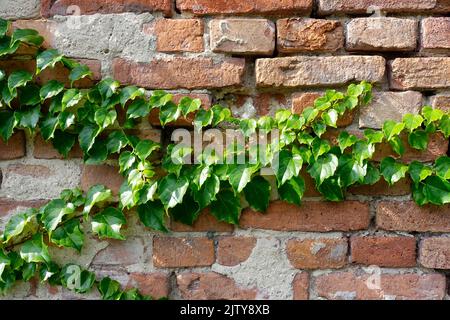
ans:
(256, 56)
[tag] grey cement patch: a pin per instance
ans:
(19, 9)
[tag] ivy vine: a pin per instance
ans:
(157, 188)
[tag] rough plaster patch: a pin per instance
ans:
(104, 36)
(19, 9)
(246, 111)
(64, 175)
(267, 269)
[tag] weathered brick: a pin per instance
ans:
(29, 170)
(8, 206)
(436, 33)
(305, 35)
(420, 73)
(300, 286)
(232, 251)
(181, 122)
(182, 252)
(45, 150)
(382, 34)
(310, 216)
(308, 71)
(205, 223)
(155, 285)
(382, 188)
(67, 7)
(212, 286)
(389, 106)
(101, 174)
(317, 253)
(180, 72)
(301, 101)
(441, 102)
(177, 35)
(408, 216)
(362, 286)
(59, 73)
(242, 36)
(214, 7)
(434, 253)
(384, 251)
(121, 252)
(367, 6)
(14, 148)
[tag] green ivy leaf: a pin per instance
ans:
(54, 212)
(248, 127)
(436, 190)
(47, 59)
(49, 272)
(79, 72)
(392, 129)
(287, 165)
(29, 118)
(442, 167)
(419, 172)
(4, 262)
(76, 279)
(130, 93)
(128, 197)
(48, 127)
(350, 171)
(105, 118)
(203, 118)
(186, 212)
(363, 150)
(152, 215)
(18, 79)
(188, 105)
(8, 121)
(226, 207)
(373, 136)
(444, 126)
(19, 224)
(293, 190)
(330, 118)
(87, 137)
(96, 195)
(282, 115)
(29, 95)
(239, 176)
(35, 250)
(372, 176)
(310, 114)
(346, 140)
(208, 191)
(257, 194)
(107, 224)
(138, 109)
(319, 128)
(323, 168)
(418, 139)
(431, 114)
(109, 289)
(107, 88)
(169, 113)
(71, 98)
(28, 36)
(117, 140)
(145, 148)
(172, 190)
(397, 145)
(319, 147)
(392, 171)
(4, 27)
(331, 189)
(412, 121)
(266, 123)
(126, 161)
(28, 271)
(69, 235)
(220, 114)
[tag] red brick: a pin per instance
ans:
(420, 73)
(214, 7)
(7, 206)
(29, 170)
(64, 7)
(45, 150)
(306, 35)
(300, 286)
(434, 253)
(101, 174)
(59, 73)
(181, 72)
(363, 6)
(317, 253)
(382, 188)
(310, 216)
(232, 251)
(436, 33)
(155, 285)
(177, 35)
(182, 252)
(242, 36)
(408, 216)
(181, 122)
(361, 286)
(301, 101)
(383, 251)
(212, 286)
(14, 148)
(205, 223)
